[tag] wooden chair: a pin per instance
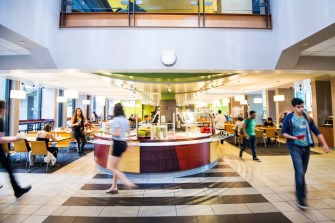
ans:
(260, 135)
(21, 147)
(6, 149)
(39, 148)
(271, 133)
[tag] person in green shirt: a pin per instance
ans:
(250, 135)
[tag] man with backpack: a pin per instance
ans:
(297, 129)
(250, 135)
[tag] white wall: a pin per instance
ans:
(140, 48)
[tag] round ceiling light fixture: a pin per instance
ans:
(168, 57)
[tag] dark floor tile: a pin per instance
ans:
(105, 220)
(237, 199)
(221, 166)
(257, 218)
(282, 218)
(161, 201)
(59, 219)
(218, 219)
(188, 219)
(216, 174)
(86, 201)
(103, 176)
(171, 186)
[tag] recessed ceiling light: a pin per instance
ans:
(22, 42)
(305, 44)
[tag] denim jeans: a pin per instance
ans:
(300, 158)
(249, 142)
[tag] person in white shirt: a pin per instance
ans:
(220, 121)
(238, 126)
(46, 134)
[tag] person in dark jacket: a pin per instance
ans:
(298, 129)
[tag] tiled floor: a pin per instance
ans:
(233, 191)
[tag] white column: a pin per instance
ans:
(277, 106)
(314, 101)
(14, 111)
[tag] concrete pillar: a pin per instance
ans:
(14, 109)
(270, 104)
(55, 107)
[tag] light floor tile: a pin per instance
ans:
(273, 197)
(35, 219)
(287, 196)
(57, 201)
(226, 209)
(150, 211)
(3, 206)
(15, 218)
(42, 200)
(159, 193)
(283, 206)
(317, 204)
(296, 217)
(264, 190)
(329, 202)
(83, 211)
(261, 207)
(3, 217)
(330, 213)
(245, 190)
(192, 210)
(46, 210)
(315, 215)
(29, 209)
(60, 210)
(12, 209)
(120, 211)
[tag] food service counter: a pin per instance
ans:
(176, 156)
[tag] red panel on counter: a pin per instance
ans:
(101, 154)
(193, 156)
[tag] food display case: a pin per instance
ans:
(155, 149)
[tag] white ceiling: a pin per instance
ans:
(87, 83)
(8, 49)
(326, 48)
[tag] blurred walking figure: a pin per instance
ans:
(298, 129)
(120, 125)
(18, 190)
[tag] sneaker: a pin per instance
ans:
(302, 205)
(256, 159)
(22, 191)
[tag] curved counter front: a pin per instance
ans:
(175, 157)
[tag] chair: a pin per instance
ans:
(240, 139)
(260, 135)
(22, 146)
(64, 144)
(32, 134)
(39, 148)
(271, 133)
(6, 149)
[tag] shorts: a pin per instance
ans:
(119, 147)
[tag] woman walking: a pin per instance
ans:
(77, 125)
(119, 127)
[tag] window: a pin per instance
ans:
(70, 105)
(30, 107)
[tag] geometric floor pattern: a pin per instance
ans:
(233, 191)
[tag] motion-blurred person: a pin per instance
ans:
(18, 190)
(298, 129)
